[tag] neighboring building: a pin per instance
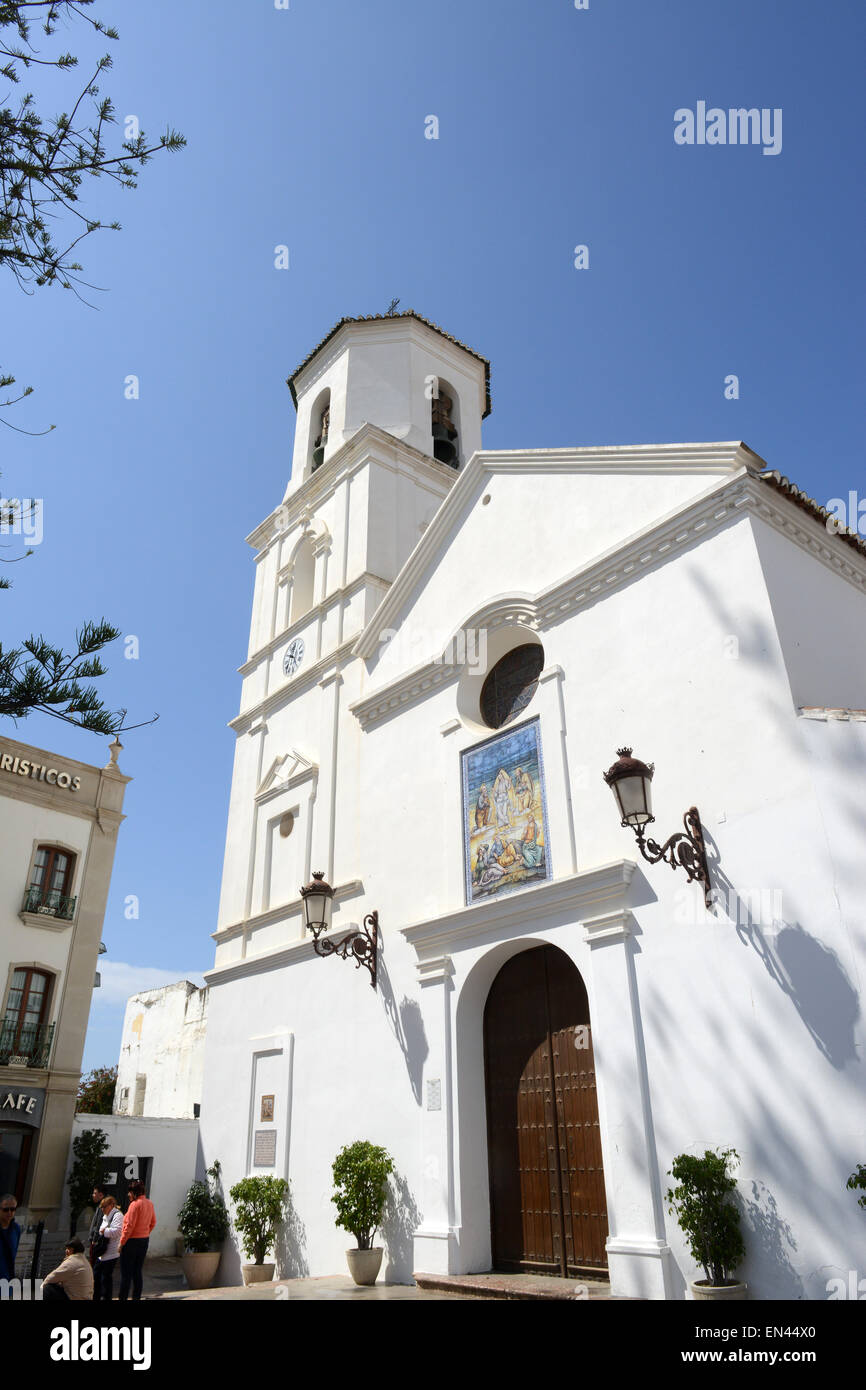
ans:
(447, 648)
(58, 830)
(162, 1153)
(159, 1072)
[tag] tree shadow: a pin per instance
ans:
(290, 1249)
(768, 1243)
(400, 1222)
(407, 1024)
(810, 973)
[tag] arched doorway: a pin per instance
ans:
(548, 1213)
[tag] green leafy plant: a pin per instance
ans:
(203, 1220)
(705, 1213)
(86, 1171)
(259, 1213)
(858, 1180)
(361, 1181)
(96, 1091)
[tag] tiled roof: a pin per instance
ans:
(781, 484)
(825, 712)
(372, 318)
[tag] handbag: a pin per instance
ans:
(98, 1247)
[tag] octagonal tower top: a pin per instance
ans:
(397, 371)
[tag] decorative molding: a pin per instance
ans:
(307, 676)
(436, 938)
(711, 512)
(419, 681)
(734, 459)
(317, 610)
(637, 1245)
(280, 911)
(368, 444)
(435, 970)
(300, 770)
(610, 926)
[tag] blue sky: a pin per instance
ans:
(306, 127)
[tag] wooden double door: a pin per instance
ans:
(548, 1210)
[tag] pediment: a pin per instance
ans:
(288, 770)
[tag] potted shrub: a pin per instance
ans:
(361, 1189)
(259, 1213)
(203, 1223)
(709, 1221)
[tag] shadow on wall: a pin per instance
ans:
(291, 1248)
(809, 972)
(408, 1027)
(768, 1239)
(401, 1220)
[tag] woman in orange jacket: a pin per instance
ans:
(138, 1223)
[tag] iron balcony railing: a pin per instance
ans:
(28, 1044)
(50, 903)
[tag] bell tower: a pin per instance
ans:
(399, 372)
(389, 410)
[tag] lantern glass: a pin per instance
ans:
(317, 899)
(634, 797)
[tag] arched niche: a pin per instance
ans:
(445, 423)
(319, 427)
(303, 579)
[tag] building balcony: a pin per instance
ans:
(26, 1046)
(39, 902)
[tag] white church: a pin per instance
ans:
(531, 994)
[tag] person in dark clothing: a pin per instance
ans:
(97, 1197)
(10, 1234)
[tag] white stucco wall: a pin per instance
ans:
(173, 1145)
(162, 1052)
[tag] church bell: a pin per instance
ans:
(319, 446)
(444, 432)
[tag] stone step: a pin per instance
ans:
(540, 1287)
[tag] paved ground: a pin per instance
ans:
(163, 1280)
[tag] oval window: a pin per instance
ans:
(511, 684)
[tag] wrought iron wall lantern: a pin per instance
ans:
(630, 781)
(359, 945)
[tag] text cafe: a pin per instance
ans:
(20, 1119)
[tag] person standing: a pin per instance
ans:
(72, 1280)
(97, 1196)
(138, 1223)
(10, 1234)
(106, 1261)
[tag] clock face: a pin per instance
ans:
(294, 656)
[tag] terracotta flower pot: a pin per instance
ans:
(364, 1265)
(200, 1269)
(257, 1274)
(702, 1289)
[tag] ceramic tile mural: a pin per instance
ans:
(505, 842)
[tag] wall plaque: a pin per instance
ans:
(434, 1094)
(267, 1108)
(265, 1148)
